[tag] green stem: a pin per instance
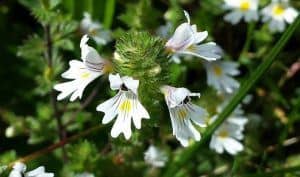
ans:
(109, 13)
(52, 147)
(189, 152)
(250, 29)
(280, 172)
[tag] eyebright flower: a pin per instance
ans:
(183, 113)
(82, 72)
(227, 136)
(186, 39)
(219, 75)
(246, 9)
(278, 13)
(20, 168)
(95, 30)
(125, 104)
(155, 157)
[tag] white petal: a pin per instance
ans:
(233, 17)
(194, 133)
(186, 14)
(216, 145)
(36, 172)
(232, 146)
(75, 67)
(15, 173)
(89, 54)
(179, 94)
(75, 87)
(232, 3)
(117, 127)
(198, 115)
(110, 108)
(200, 36)
(183, 37)
(252, 15)
(115, 81)
(139, 113)
(290, 14)
(19, 166)
(207, 51)
(131, 84)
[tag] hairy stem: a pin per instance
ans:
(48, 55)
(88, 100)
(52, 147)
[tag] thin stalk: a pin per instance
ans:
(48, 55)
(109, 13)
(53, 147)
(87, 101)
(250, 29)
(246, 86)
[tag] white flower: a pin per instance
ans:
(186, 40)
(246, 9)
(125, 105)
(219, 75)
(20, 168)
(183, 113)
(95, 30)
(155, 157)
(278, 13)
(227, 136)
(82, 72)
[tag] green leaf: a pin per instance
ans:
(109, 13)
(246, 86)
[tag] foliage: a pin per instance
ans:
(39, 37)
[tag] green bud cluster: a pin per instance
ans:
(143, 57)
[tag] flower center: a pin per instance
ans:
(223, 134)
(85, 75)
(93, 32)
(125, 106)
(192, 48)
(278, 10)
(218, 70)
(245, 5)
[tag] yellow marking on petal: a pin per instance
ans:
(192, 48)
(278, 10)
(93, 32)
(217, 70)
(125, 106)
(245, 5)
(85, 75)
(223, 134)
(182, 113)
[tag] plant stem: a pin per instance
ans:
(48, 55)
(250, 29)
(52, 147)
(88, 100)
(246, 86)
(109, 13)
